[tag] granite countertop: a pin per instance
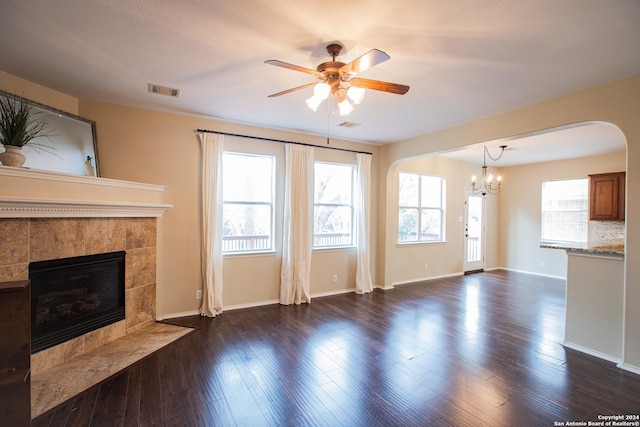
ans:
(600, 247)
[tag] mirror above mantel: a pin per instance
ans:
(72, 139)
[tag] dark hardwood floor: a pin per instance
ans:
(482, 349)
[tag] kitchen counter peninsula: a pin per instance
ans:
(594, 298)
(614, 247)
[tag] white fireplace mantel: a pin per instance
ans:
(26, 193)
(35, 208)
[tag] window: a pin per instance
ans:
(248, 182)
(332, 205)
(421, 203)
(565, 210)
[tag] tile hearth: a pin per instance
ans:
(50, 215)
(60, 383)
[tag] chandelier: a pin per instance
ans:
(344, 97)
(486, 185)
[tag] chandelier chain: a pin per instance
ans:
(495, 159)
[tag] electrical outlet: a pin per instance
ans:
(426, 266)
(542, 264)
(198, 294)
(334, 279)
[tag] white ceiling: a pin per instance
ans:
(569, 142)
(464, 60)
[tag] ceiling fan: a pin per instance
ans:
(337, 79)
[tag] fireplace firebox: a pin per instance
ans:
(73, 296)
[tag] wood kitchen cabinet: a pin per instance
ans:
(606, 196)
(15, 354)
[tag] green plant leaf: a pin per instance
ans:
(20, 125)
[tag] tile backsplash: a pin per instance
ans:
(606, 231)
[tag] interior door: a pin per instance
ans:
(473, 232)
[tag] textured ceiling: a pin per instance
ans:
(568, 142)
(464, 60)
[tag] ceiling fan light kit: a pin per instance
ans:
(313, 102)
(345, 107)
(355, 94)
(321, 90)
(337, 80)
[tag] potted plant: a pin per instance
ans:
(20, 125)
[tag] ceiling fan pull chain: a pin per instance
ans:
(328, 119)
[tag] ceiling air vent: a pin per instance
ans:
(163, 90)
(349, 124)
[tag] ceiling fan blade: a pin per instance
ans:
(294, 67)
(381, 86)
(293, 89)
(364, 62)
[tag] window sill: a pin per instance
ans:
(335, 249)
(248, 254)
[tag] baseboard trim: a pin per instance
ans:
(251, 304)
(630, 368)
(180, 314)
(424, 279)
(624, 366)
(592, 352)
(444, 276)
(345, 291)
(531, 272)
(330, 293)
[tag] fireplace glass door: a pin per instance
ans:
(73, 296)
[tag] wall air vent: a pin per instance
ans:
(163, 90)
(349, 124)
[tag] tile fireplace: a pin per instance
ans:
(47, 217)
(74, 296)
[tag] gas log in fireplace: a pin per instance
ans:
(73, 296)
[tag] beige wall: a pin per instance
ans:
(617, 103)
(513, 218)
(408, 261)
(38, 93)
(145, 146)
(520, 210)
(158, 148)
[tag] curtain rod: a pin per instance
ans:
(283, 141)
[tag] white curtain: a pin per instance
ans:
(297, 241)
(363, 222)
(212, 204)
